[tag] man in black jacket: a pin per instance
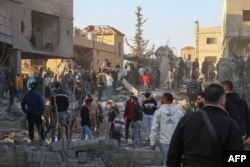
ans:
(33, 106)
(238, 110)
(149, 106)
(192, 143)
(59, 106)
(85, 120)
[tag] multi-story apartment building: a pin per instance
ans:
(35, 29)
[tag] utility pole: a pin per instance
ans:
(197, 38)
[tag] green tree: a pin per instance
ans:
(140, 45)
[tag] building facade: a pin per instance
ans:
(236, 28)
(98, 46)
(35, 29)
(209, 42)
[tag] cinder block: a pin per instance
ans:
(33, 156)
(148, 154)
(19, 160)
(71, 153)
(63, 164)
(3, 150)
(73, 164)
(92, 164)
(51, 164)
(37, 157)
(7, 157)
(85, 145)
(109, 142)
(157, 155)
(137, 154)
(82, 157)
(19, 149)
(28, 156)
(58, 146)
(8, 160)
(52, 157)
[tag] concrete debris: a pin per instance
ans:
(16, 149)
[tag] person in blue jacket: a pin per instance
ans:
(33, 106)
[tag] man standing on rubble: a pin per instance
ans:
(33, 106)
(149, 106)
(59, 106)
(93, 115)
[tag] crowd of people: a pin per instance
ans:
(216, 115)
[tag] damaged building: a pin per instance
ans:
(94, 47)
(32, 30)
(236, 42)
(98, 46)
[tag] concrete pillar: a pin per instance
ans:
(226, 47)
(17, 60)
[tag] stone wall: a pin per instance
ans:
(98, 152)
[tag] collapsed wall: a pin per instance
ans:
(97, 152)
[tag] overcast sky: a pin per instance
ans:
(169, 22)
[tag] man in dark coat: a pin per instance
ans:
(85, 120)
(60, 104)
(193, 139)
(33, 106)
(238, 110)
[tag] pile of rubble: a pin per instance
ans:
(17, 150)
(97, 152)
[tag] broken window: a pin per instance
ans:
(211, 40)
(45, 31)
(246, 15)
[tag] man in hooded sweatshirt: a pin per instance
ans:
(165, 121)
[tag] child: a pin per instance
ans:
(137, 123)
(117, 125)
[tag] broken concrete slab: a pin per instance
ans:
(82, 157)
(59, 145)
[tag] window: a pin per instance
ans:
(246, 15)
(97, 61)
(211, 40)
